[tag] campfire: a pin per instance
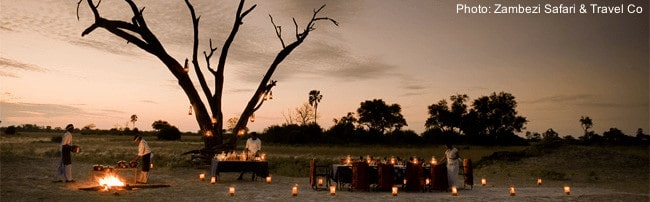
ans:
(110, 180)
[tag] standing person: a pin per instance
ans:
(65, 165)
(451, 156)
(144, 152)
(253, 146)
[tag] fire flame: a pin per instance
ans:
(110, 180)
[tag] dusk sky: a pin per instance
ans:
(413, 53)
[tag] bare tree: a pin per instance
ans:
(210, 117)
(304, 114)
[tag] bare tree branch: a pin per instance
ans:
(278, 31)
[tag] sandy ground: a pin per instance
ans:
(30, 180)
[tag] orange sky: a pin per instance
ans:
(413, 53)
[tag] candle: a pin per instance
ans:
(320, 181)
(294, 190)
(392, 160)
(213, 180)
(539, 181)
(454, 191)
(263, 156)
(151, 165)
(231, 190)
(394, 190)
(332, 190)
(427, 181)
(268, 180)
(433, 160)
(567, 189)
(404, 181)
(483, 181)
(348, 160)
(512, 190)
(202, 176)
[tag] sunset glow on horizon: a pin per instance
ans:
(414, 53)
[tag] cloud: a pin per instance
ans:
(11, 65)
(37, 110)
(561, 99)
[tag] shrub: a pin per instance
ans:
(169, 133)
(11, 130)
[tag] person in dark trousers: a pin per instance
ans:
(144, 152)
(65, 164)
(253, 146)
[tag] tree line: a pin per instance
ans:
(487, 120)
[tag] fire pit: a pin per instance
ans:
(107, 179)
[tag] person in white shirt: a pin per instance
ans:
(451, 156)
(253, 146)
(144, 152)
(65, 165)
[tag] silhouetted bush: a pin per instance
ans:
(169, 133)
(11, 130)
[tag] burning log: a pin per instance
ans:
(125, 187)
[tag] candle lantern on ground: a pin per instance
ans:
(268, 179)
(567, 189)
(294, 190)
(202, 176)
(512, 190)
(231, 190)
(483, 182)
(454, 191)
(320, 181)
(332, 190)
(394, 190)
(213, 180)
(539, 181)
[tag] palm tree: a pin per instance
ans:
(314, 99)
(134, 118)
(586, 123)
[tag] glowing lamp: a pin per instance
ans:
(208, 133)
(151, 165)
(332, 190)
(201, 176)
(512, 190)
(404, 181)
(392, 160)
(213, 180)
(567, 189)
(294, 190)
(252, 118)
(270, 95)
(268, 180)
(231, 190)
(263, 156)
(394, 190)
(454, 191)
(241, 132)
(348, 160)
(483, 181)
(539, 181)
(427, 181)
(320, 181)
(214, 120)
(433, 160)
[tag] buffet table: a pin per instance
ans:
(258, 168)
